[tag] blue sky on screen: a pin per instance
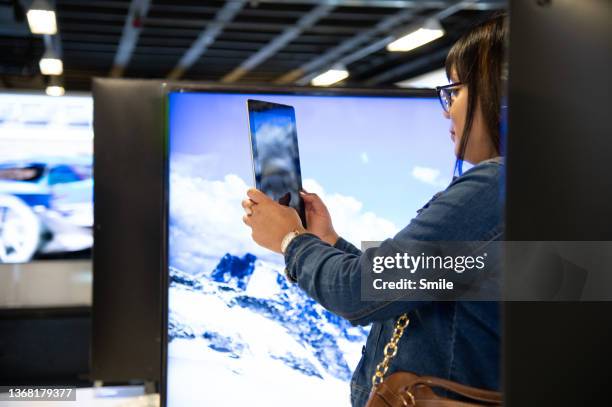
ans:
(390, 155)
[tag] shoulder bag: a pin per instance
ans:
(405, 389)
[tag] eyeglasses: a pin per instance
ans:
(447, 94)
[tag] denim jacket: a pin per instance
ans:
(455, 340)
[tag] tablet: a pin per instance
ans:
(274, 148)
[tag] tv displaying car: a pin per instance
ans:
(46, 183)
(235, 327)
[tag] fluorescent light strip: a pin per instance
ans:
(42, 21)
(330, 77)
(415, 39)
(55, 90)
(51, 66)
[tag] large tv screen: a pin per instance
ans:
(46, 184)
(236, 328)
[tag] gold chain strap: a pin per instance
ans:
(390, 349)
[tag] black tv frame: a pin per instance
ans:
(129, 310)
(268, 90)
(129, 155)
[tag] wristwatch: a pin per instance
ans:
(288, 238)
(284, 244)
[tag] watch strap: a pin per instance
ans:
(288, 238)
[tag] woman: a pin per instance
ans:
(458, 341)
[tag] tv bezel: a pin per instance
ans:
(173, 87)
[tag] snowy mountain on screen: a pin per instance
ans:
(245, 289)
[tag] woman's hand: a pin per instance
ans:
(318, 218)
(269, 221)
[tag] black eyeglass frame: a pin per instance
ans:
(444, 89)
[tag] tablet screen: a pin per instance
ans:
(276, 159)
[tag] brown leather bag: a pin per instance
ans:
(405, 389)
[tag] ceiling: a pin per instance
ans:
(234, 41)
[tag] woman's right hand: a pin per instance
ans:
(318, 218)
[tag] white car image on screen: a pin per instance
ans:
(46, 206)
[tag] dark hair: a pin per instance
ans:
(478, 59)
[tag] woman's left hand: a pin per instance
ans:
(269, 221)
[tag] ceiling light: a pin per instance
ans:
(430, 31)
(50, 64)
(55, 90)
(55, 87)
(41, 18)
(330, 77)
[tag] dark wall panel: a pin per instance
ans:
(45, 346)
(129, 167)
(559, 187)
